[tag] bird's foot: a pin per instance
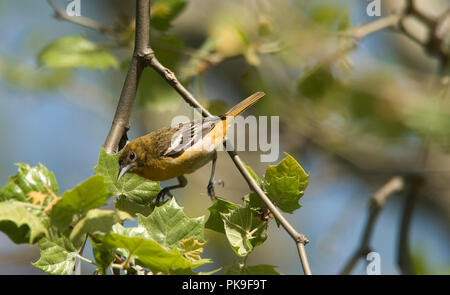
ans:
(211, 192)
(160, 198)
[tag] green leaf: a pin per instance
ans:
(150, 254)
(103, 257)
(57, 257)
(244, 230)
(285, 183)
(29, 179)
(240, 269)
(254, 175)
(134, 187)
(163, 12)
(96, 220)
(215, 220)
(19, 223)
(90, 194)
(192, 249)
(132, 208)
(168, 225)
(253, 201)
(76, 52)
(284, 193)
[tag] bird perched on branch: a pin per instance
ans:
(172, 152)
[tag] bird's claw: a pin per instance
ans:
(161, 195)
(210, 188)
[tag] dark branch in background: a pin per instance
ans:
(376, 204)
(144, 56)
(79, 20)
(434, 44)
(404, 253)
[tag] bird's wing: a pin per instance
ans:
(189, 134)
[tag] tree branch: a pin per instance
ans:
(121, 121)
(404, 255)
(376, 204)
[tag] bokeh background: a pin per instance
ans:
(352, 122)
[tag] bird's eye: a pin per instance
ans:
(132, 156)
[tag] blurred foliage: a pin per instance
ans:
(76, 51)
(26, 77)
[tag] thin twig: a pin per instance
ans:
(360, 32)
(376, 204)
(79, 20)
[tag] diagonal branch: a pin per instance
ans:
(376, 204)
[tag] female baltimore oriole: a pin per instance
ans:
(172, 152)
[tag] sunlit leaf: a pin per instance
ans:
(90, 194)
(134, 187)
(96, 220)
(244, 230)
(285, 183)
(19, 223)
(75, 52)
(29, 179)
(168, 225)
(215, 220)
(57, 257)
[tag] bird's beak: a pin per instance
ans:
(123, 170)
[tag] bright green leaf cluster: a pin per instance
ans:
(167, 241)
(246, 226)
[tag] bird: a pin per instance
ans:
(173, 152)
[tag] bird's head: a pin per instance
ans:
(130, 158)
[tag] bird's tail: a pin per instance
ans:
(243, 105)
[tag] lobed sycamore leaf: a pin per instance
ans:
(90, 194)
(57, 257)
(285, 183)
(134, 187)
(27, 180)
(215, 219)
(168, 225)
(150, 254)
(132, 208)
(244, 230)
(19, 224)
(103, 256)
(94, 221)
